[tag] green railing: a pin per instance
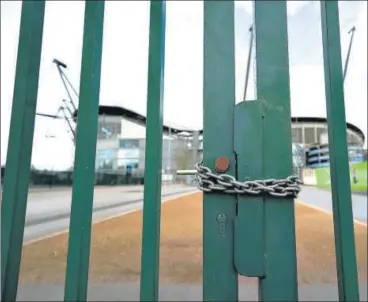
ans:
(247, 235)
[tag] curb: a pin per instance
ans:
(329, 212)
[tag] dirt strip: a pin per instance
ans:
(116, 248)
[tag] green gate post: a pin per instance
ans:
(220, 279)
(150, 262)
(338, 151)
(76, 280)
(280, 283)
(18, 161)
(249, 223)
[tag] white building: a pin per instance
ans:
(121, 143)
(122, 132)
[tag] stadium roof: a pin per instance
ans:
(141, 120)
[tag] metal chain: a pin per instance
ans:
(209, 182)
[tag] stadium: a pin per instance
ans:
(121, 145)
(121, 142)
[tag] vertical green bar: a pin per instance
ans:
(220, 279)
(76, 281)
(249, 223)
(273, 89)
(338, 151)
(150, 261)
(18, 162)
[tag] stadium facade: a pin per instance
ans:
(121, 142)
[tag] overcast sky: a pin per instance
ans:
(124, 64)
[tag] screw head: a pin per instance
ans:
(222, 164)
(221, 218)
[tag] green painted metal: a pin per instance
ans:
(249, 221)
(220, 279)
(152, 185)
(76, 280)
(273, 90)
(338, 151)
(18, 163)
(246, 235)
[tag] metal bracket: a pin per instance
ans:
(249, 222)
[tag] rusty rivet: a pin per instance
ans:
(222, 164)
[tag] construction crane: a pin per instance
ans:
(248, 62)
(65, 80)
(351, 33)
(67, 109)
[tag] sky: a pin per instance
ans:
(125, 60)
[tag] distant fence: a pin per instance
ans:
(65, 178)
(47, 178)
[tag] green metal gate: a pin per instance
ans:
(247, 224)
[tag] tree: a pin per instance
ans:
(183, 158)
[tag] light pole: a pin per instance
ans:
(169, 152)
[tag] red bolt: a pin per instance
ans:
(222, 164)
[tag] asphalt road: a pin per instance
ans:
(323, 199)
(171, 292)
(48, 212)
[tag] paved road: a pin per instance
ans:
(48, 212)
(171, 292)
(322, 199)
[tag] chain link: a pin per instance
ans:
(207, 181)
